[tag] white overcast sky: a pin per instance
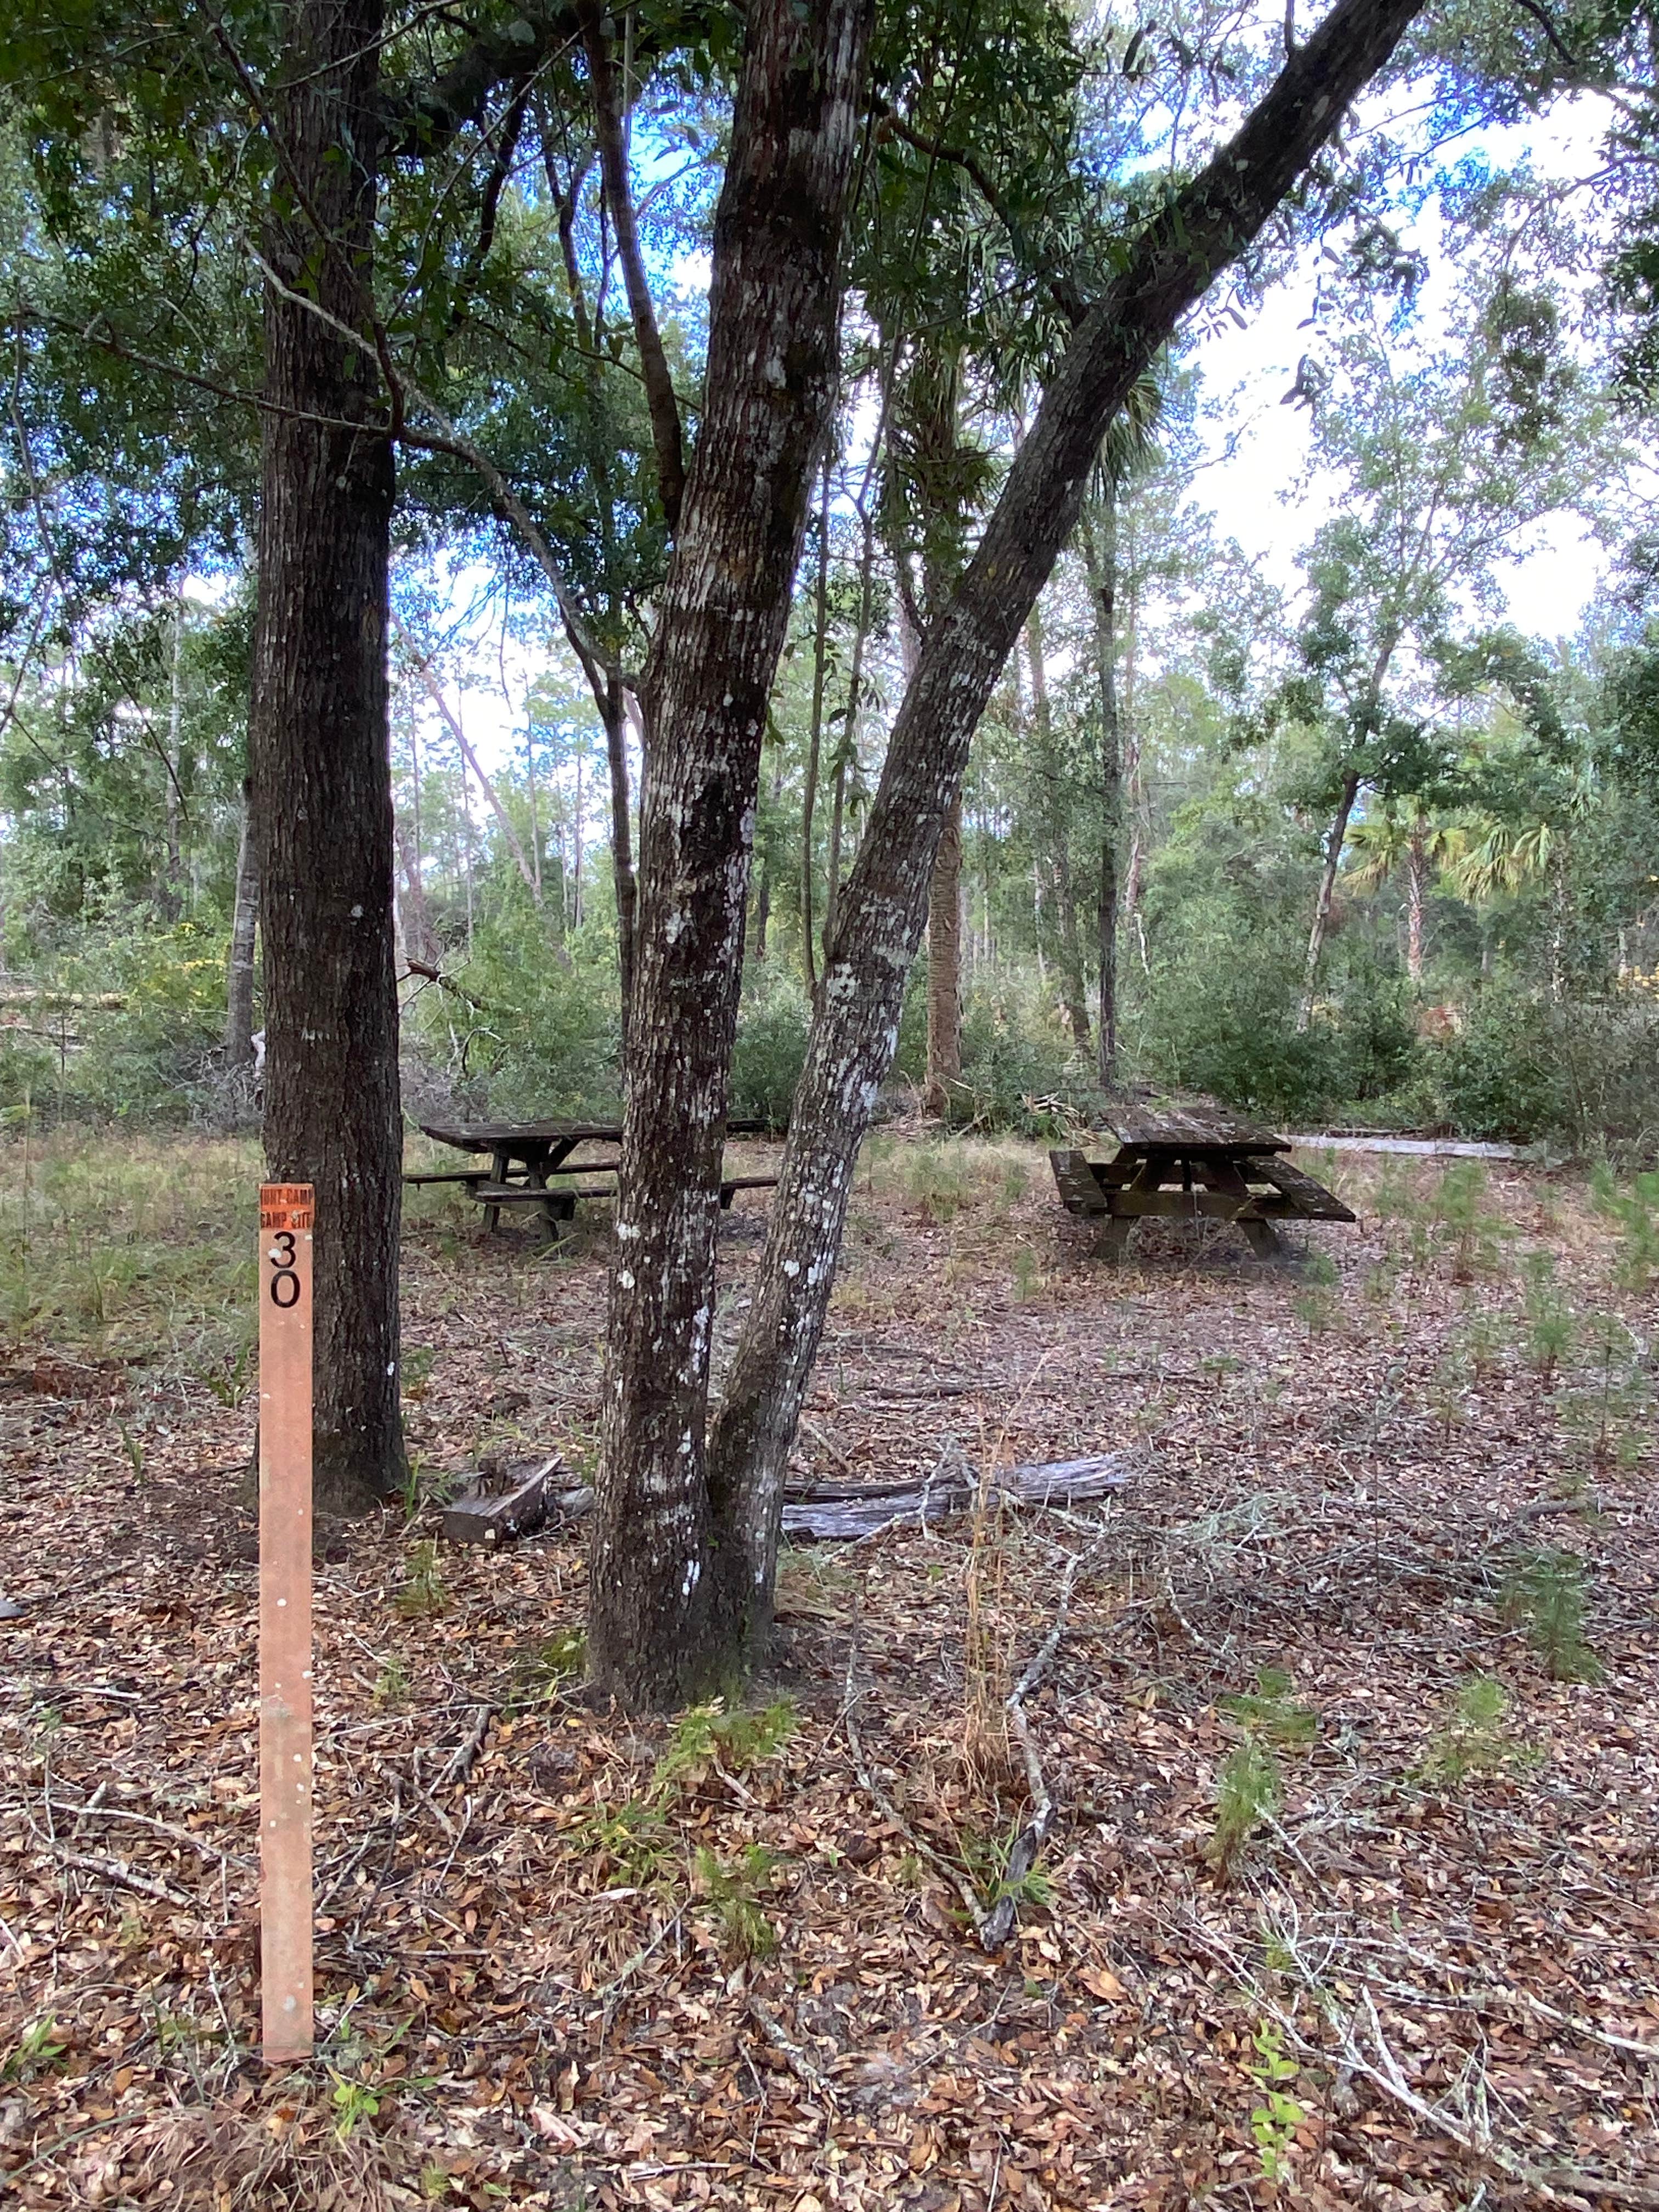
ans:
(1257, 490)
(1254, 490)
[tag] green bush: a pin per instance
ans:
(771, 1049)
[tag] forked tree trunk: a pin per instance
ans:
(318, 743)
(661, 1614)
(856, 1026)
(1322, 905)
(1053, 811)
(1100, 558)
(244, 922)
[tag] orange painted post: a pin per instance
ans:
(286, 1212)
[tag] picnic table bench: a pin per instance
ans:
(528, 1158)
(1221, 1167)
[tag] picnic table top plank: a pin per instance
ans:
(1197, 1129)
(489, 1136)
(485, 1136)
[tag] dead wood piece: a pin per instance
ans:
(115, 1870)
(465, 1756)
(496, 1509)
(794, 2057)
(842, 1509)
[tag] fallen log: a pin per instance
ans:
(500, 1505)
(851, 1509)
(819, 1510)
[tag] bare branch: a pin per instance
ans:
(666, 435)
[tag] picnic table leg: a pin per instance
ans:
(1114, 1241)
(1225, 1175)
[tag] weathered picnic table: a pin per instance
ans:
(527, 1160)
(1221, 1167)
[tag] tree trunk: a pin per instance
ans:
(1321, 921)
(1100, 558)
(660, 1610)
(856, 1024)
(318, 743)
(613, 712)
(243, 919)
(1416, 872)
(171, 902)
(815, 740)
(945, 965)
(1053, 813)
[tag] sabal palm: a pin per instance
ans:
(1396, 836)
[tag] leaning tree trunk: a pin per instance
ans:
(244, 921)
(1100, 558)
(654, 1632)
(856, 1026)
(1326, 900)
(322, 794)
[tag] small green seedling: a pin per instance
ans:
(1474, 1739)
(1546, 1592)
(733, 1893)
(36, 2052)
(1249, 1791)
(354, 2103)
(708, 1735)
(1270, 1712)
(423, 1596)
(1274, 2121)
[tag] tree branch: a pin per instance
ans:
(666, 435)
(1061, 289)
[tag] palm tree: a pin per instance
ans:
(1397, 835)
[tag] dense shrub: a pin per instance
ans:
(771, 1046)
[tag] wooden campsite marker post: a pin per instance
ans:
(286, 1212)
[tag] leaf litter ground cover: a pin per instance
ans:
(1353, 1734)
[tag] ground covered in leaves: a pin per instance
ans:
(1353, 1730)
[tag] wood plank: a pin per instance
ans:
(1204, 1205)
(1198, 1126)
(1078, 1186)
(1310, 1198)
(498, 1508)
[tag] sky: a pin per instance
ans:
(1254, 477)
(1256, 447)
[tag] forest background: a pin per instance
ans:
(1354, 849)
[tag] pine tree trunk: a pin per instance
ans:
(1323, 903)
(945, 965)
(660, 1610)
(1053, 812)
(855, 1025)
(1100, 557)
(244, 921)
(318, 743)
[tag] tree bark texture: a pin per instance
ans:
(1322, 905)
(244, 922)
(1417, 872)
(945, 964)
(1100, 558)
(1051, 814)
(322, 793)
(855, 1025)
(654, 1632)
(666, 434)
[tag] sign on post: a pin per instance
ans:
(286, 1212)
